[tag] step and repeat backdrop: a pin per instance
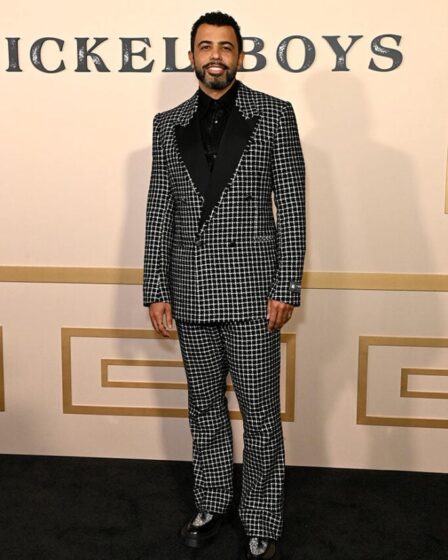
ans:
(364, 360)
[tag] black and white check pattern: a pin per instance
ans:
(251, 354)
(240, 257)
(218, 272)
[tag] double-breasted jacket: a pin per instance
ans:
(213, 247)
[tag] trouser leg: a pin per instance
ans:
(253, 354)
(205, 362)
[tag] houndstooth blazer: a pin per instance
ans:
(213, 249)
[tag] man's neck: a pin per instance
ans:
(215, 93)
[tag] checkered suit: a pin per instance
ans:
(214, 251)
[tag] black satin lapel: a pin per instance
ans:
(234, 139)
(192, 151)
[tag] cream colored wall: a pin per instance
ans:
(75, 151)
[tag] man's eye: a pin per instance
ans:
(204, 47)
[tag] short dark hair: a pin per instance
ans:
(220, 19)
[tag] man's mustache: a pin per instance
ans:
(219, 64)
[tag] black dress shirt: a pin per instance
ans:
(213, 116)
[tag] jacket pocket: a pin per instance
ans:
(262, 239)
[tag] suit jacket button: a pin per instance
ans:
(232, 243)
(294, 286)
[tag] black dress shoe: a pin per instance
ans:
(196, 537)
(270, 553)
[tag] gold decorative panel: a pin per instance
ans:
(106, 382)
(365, 342)
(446, 186)
(67, 334)
(311, 280)
(404, 385)
(2, 376)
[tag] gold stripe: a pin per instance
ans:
(405, 422)
(414, 341)
(170, 385)
(311, 280)
(2, 378)
(67, 333)
(364, 343)
(376, 281)
(70, 275)
(135, 411)
(446, 185)
(66, 353)
(290, 370)
(404, 382)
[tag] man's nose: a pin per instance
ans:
(216, 53)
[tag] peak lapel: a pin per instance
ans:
(190, 146)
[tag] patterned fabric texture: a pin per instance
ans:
(251, 354)
(225, 266)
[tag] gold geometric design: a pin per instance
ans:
(67, 333)
(2, 377)
(446, 185)
(106, 382)
(364, 343)
(379, 281)
(405, 392)
(71, 275)
(311, 280)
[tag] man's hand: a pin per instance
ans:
(160, 315)
(278, 313)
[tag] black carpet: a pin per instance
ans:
(66, 508)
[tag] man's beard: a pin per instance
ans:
(216, 82)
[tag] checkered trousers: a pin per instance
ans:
(251, 354)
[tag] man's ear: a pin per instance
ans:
(240, 60)
(191, 57)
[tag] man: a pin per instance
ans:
(218, 263)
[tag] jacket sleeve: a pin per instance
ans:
(288, 175)
(159, 226)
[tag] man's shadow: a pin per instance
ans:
(362, 207)
(174, 433)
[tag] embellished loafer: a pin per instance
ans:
(261, 549)
(200, 529)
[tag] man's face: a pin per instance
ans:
(215, 58)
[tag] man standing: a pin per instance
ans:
(218, 263)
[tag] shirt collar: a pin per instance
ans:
(227, 101)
